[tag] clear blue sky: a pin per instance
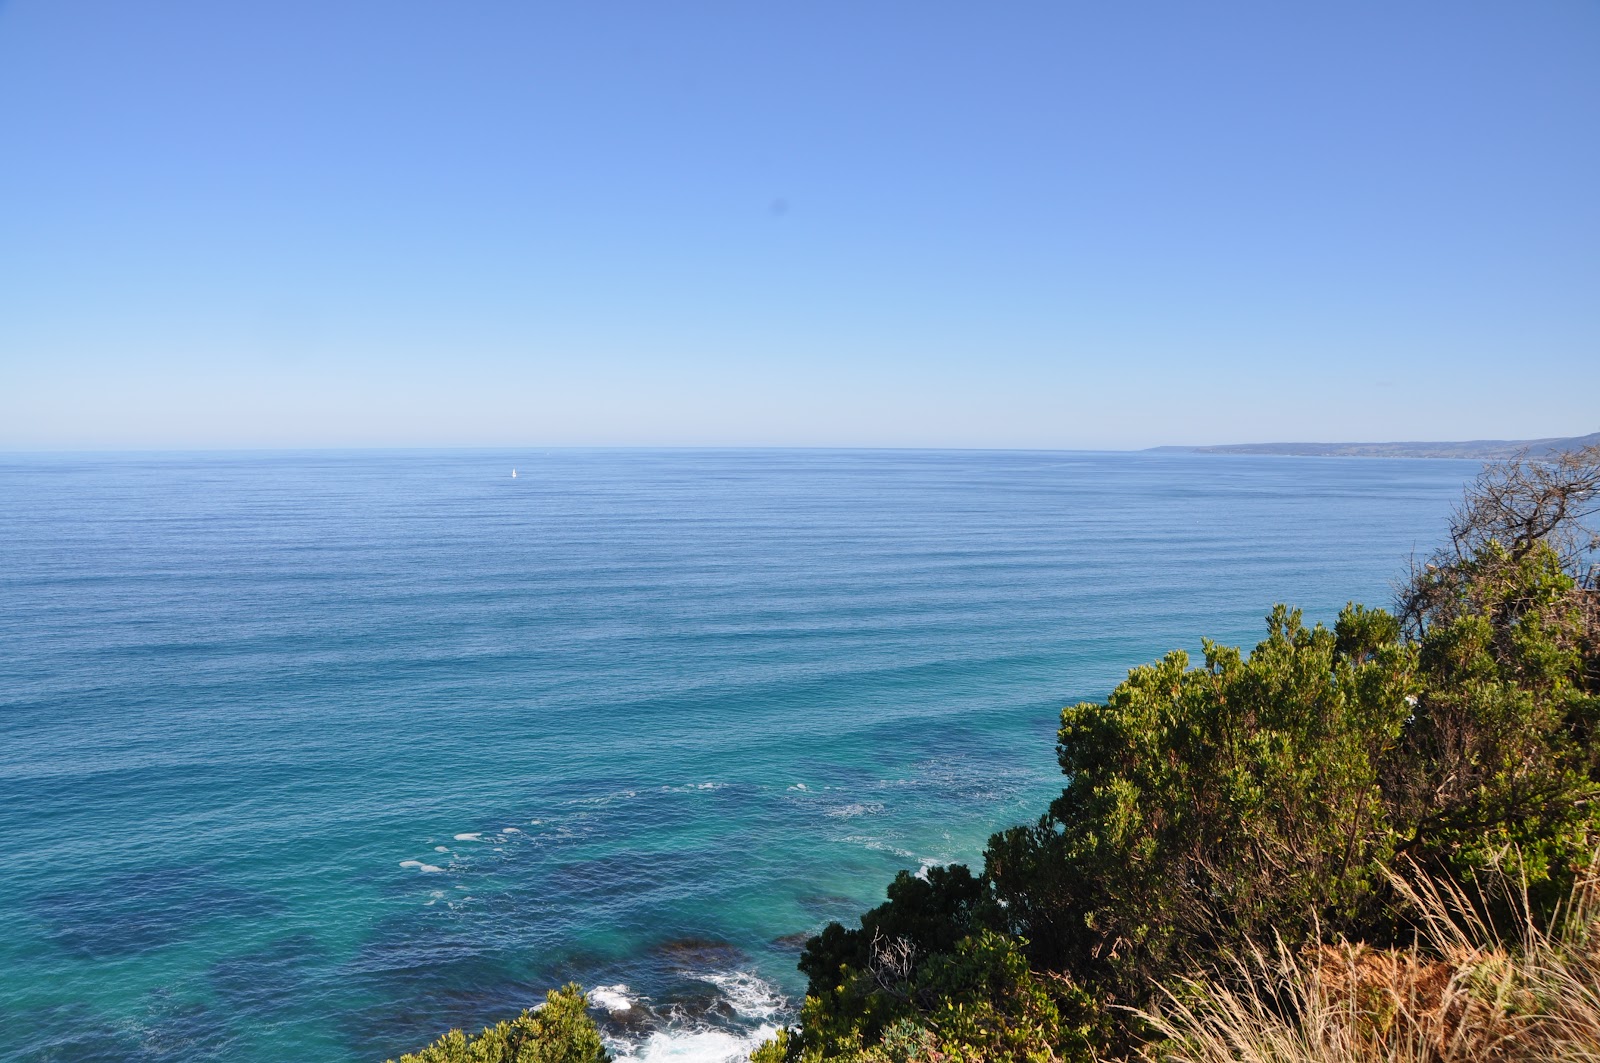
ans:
(921, 224)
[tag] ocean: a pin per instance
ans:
(310, 756)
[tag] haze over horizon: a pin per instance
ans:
(1039, 227)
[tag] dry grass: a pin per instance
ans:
(1469, 991)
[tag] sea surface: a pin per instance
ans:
(311, 756)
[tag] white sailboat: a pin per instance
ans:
(513, 474)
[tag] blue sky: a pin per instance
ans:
(930, 224)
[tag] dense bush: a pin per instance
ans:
(1207, 805)
(978, 1000)
(1501, 750)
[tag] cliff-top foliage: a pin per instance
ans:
(1269, 796)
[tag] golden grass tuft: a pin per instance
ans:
(1468, 991)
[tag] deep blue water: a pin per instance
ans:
(310, 756)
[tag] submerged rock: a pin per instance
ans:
(697, 953)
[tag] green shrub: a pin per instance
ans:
(1207, 805)
(558, 1031)
(1500, 751)
(975, 1001)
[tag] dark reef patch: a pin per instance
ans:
(421, 979)
(143, 910)
(170, 1031)
(266, 980)
(792, 942)
(827, 903)
(698, 953)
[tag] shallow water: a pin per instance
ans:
(310, 756)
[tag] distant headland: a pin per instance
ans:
(1476, 449)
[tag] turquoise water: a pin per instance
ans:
(310, 756)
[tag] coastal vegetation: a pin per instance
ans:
(557, 1031)
(1373, 841)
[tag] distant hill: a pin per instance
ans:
(1475, 449)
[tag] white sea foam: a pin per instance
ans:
(799, 786)
(471, 836)
(878, 845)
(691, 787)
(751, 997)
(441, 848)
(614, 998)
(693, 1046)
(860, 808)
(601, 800)
(420, 866)
(510, 830)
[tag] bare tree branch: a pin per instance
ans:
(1518, 505)
(891, 962)
(1523, 502)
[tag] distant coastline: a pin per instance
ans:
(1476, 449)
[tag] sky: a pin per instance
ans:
(1051, 225)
